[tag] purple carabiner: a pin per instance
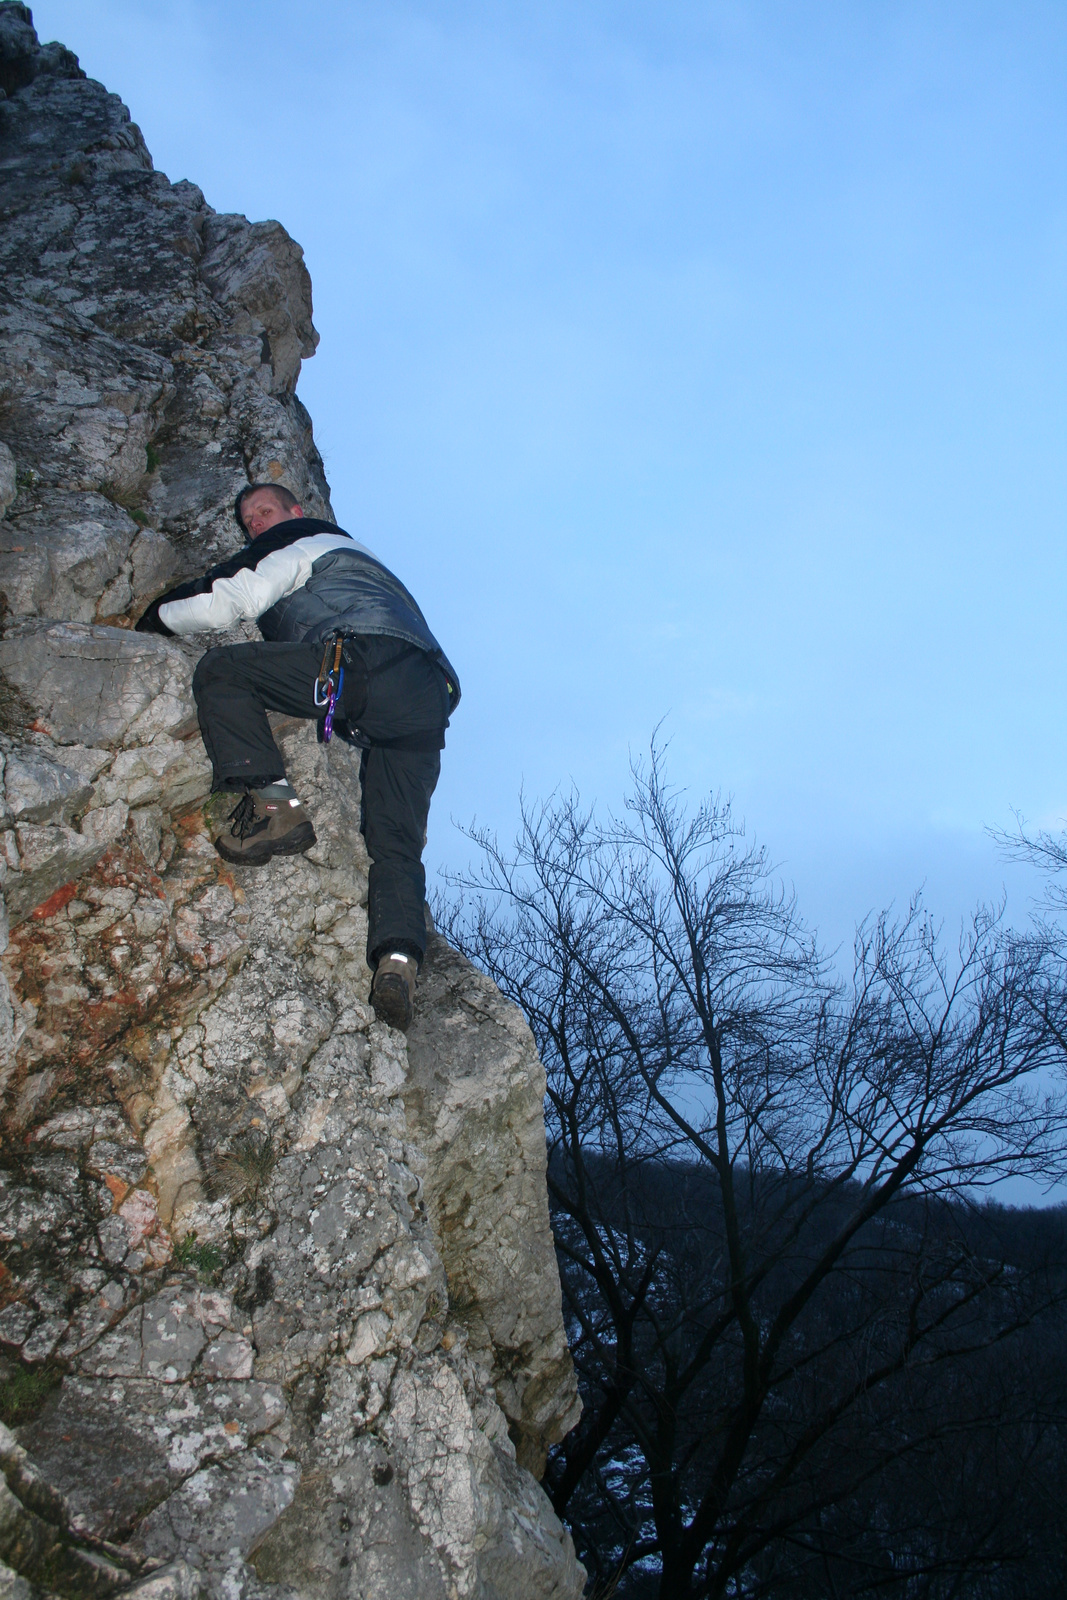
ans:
(331, 703)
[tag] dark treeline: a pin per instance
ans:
(813, 1361)
(947, 1477)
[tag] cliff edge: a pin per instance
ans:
(279, 1311)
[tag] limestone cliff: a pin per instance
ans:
(279, 1314)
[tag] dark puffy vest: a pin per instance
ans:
(350, 590)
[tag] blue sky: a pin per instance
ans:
(689, 361)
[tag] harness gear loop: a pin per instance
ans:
(330, 682)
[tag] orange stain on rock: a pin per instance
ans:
(55, 902)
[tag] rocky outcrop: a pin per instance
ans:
(474, 1092)
(279, 1314)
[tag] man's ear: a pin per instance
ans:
(296, 511)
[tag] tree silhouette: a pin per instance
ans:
(781, 1291)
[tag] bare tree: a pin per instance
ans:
(760, 1178)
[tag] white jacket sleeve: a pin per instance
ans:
(253, 590)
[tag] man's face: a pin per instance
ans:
(262, 509)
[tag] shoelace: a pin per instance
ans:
(243, 817)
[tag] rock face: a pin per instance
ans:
(279, 1314)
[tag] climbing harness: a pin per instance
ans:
(339, 648)
(330, 682)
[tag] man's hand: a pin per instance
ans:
(151, 622)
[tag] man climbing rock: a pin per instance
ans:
(344, 642)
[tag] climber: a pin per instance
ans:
(310, 585)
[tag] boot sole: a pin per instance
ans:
(293, 843)
(392, 1003)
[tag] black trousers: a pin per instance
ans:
(392, 693)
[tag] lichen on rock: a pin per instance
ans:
(279, 1313)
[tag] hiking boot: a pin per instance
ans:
(264, 823)
(393, 991)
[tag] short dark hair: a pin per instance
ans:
(285, 498)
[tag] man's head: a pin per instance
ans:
(261, 505)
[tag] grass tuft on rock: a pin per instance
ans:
(205, 1259)
(24, 1392)
(127, 500)
(245, 1168)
